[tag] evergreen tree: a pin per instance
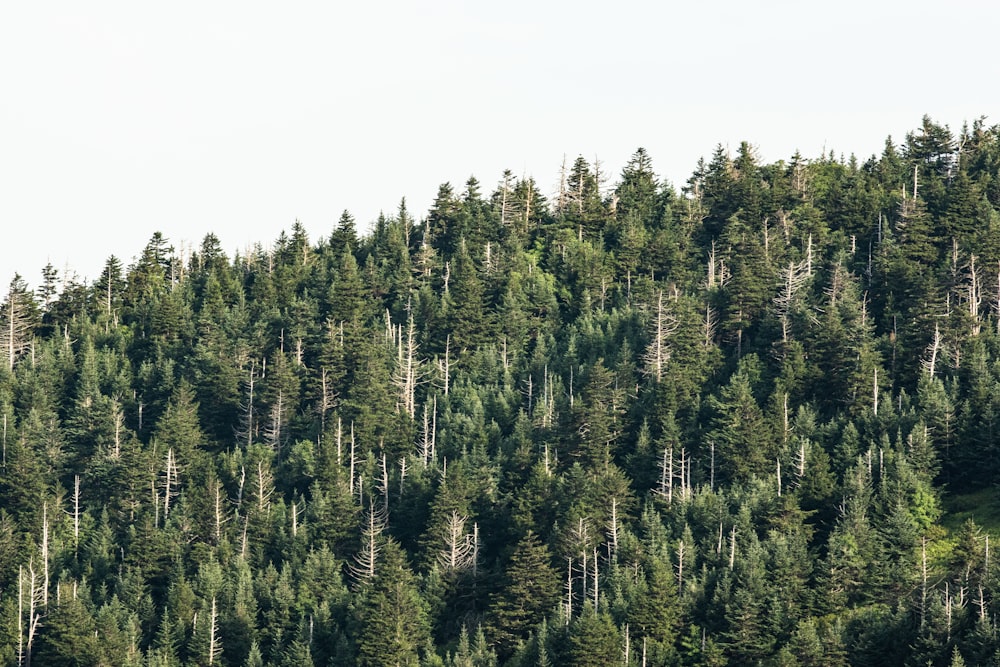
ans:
(529, 594)
(593, 640)
(743, 443)
(392, 621)
(467, 317)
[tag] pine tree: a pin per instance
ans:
(594, 640)
(179, 428)
(597, 419)
(70, 638)
(530, 592)
(653, 614)
(392, 618)
(743, 444)
(345, 236)
(465, 303)
(636, 194)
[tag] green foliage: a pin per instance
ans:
(593, 640)
(793, 462)
(392, 619)
(742, 438)
(530, 592)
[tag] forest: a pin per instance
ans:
(751, 421)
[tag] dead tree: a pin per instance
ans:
(214, 636)
(365, 563)
(16, 322)
(933, 351)
(662, 327)
(408, 371)
(794, 277)
(460, 548)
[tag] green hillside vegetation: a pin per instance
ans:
(752, 420)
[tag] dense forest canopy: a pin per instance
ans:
(752, 421)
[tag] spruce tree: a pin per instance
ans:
(393, 627)
(530, 592)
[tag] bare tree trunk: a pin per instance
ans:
(666, 488)
(875, 394)
(459, 550)
(366, 561)
(569, 589)
(680, 566)
(778, 474)
(402, 475)
(613, 526)
(214, 638)
(20, 615)
(406, 374)
(424, 449)
(384, 485)
(328, 399)
(119, 421)
(658, 352)
(170, 480)
(352, 460)
(933, 350)
(975, 295)
(219, 514)
(264, 488)
(596, 586)
(76, 514)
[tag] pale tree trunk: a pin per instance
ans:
(327, 398)
(220, 517)
(933, 351)
(214, 638)
(15, 336)
(680, 566)
(569, 590)
(352, 462)
(613, 526)
(595, 587)
(407, 373)
(365, 563)
(264, 483)
(384, 484)
(459, 550)
(76, 513)
(169, 483)
(657, 354)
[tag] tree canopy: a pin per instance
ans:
(752, 421)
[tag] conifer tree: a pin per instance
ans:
(743, 445)
(18, 319)
(593, 639)
(392, 621)
(530, 592)
(467, 318)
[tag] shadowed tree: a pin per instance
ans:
(530, 592)
(392, 618)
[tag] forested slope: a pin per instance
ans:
(622, 424)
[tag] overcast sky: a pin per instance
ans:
(119, 119)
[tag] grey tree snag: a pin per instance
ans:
(408, 370)
(214, 637)
(460, 549)
(16, 327)
(662, 327)
(365, 563)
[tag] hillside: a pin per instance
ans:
(755, 420)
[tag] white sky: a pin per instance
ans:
(118, 119)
